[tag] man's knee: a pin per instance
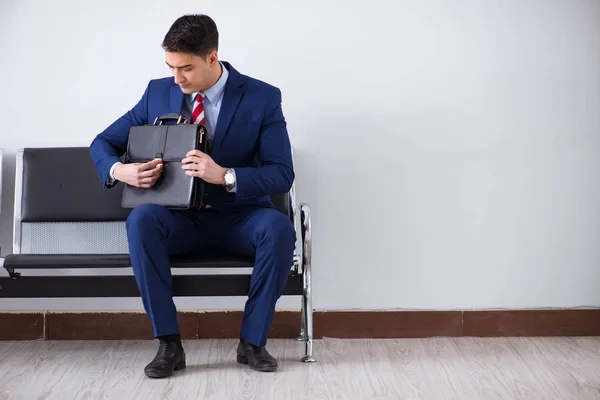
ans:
(276, 228)
(144, 218)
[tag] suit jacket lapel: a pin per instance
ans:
(234, 89)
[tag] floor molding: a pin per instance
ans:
(338, 324)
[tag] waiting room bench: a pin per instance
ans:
(65, 219)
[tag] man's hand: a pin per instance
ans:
(138, 174)
(200, 165)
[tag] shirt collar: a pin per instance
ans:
(215, 92)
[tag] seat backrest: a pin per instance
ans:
(61, 206)
(281, 201)
(61, 184)
(58, 196)
(286, 202)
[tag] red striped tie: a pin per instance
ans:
(198, 113)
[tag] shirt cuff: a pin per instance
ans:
(111, 173)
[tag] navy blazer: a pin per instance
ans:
(250, 136)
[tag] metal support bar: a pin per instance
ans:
(125, 286)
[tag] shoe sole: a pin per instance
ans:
(158, 375)
(244, 360)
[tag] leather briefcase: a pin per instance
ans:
(169, 142)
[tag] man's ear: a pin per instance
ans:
(212, 58)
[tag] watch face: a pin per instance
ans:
(228, 178)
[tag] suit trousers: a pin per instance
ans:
(155, 233)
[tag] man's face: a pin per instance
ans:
(192, 73)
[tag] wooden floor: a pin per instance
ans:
(437, 368)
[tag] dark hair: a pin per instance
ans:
(195, 34)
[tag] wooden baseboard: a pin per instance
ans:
(338, 324)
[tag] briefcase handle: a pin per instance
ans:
(170, 117)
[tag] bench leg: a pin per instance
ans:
(307, 313)
(307, 308)
(302, 336)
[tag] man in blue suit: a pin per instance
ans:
(249, 159)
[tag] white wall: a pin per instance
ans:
(450, 149)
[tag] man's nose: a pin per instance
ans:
(178, 77)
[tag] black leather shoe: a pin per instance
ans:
(169, 357)
(258, 358)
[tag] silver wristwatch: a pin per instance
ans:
(230, 178)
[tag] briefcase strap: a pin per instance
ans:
(161, 143)
(162, 134)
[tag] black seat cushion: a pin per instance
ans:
(58, 261)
